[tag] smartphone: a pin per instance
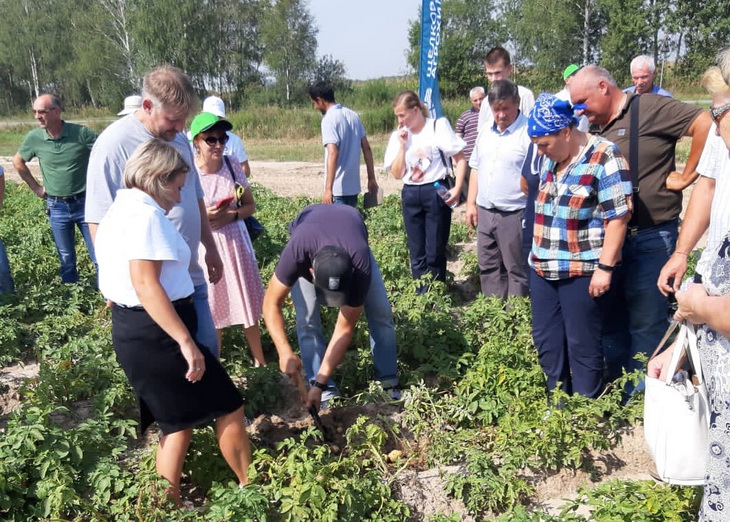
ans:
(224, 202)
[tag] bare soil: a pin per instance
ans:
(423, 490)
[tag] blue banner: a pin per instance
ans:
(428, 85)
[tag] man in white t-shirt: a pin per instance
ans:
(498, 66)
(168, 99)
(343, 137)
(495, 205)
(234, 147)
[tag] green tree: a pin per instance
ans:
(236, 49)
(290, 46)
(333, 72)
(627, 34)
(468, 29)
(702, 29)
(550, 34)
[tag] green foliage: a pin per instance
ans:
(315, 483)
(616, 501)
(289, 37)
(474, 397)
(468, 30)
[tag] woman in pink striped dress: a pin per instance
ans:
(238, 297)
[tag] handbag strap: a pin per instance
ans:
(230, 168)
(441, 153)
(634, 157)
(672, 327)
(686, 342)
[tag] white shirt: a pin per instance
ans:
(583, 123)
(527, 100)
(422, 151)
(135, 227)
(235, 147)
(498, 158)
(715, 164)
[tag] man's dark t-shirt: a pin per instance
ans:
(662, 121)
(318, 226)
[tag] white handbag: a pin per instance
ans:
(676, 415)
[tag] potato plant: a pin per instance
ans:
(474, 397)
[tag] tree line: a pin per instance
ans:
(95, 52)
(547, 35)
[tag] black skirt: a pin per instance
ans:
(156, 368)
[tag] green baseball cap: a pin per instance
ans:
(205, 120)
(570, 70)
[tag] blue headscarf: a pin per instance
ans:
(549, 115)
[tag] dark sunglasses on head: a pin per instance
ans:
(716, 112)
(212, 140)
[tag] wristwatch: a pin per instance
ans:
(319, 385)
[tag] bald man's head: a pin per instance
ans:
(595, 89)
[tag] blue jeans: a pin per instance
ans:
(206, 333)
(636, 314)
(427, 221)
(64, 216)
(345, 200)
(566, 328)
(6, 279)
(380, 324)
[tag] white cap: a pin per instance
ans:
(214, 105)
(131, 104)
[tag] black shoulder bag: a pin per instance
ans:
(253, 225)
(450, 179)
(633, 226)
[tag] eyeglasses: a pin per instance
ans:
(212, 140)
(716, 112)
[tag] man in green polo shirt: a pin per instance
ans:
(63, 150)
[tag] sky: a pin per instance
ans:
(369, 36)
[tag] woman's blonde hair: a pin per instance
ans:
(717, 78)
(409, 100)
(153, 166)
(714, 82)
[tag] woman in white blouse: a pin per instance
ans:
(143, 271)
(417, 153)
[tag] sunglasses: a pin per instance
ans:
(212, 140)
(716, 112)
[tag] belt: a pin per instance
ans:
(633, 230)
(66, 199)
(177, 302)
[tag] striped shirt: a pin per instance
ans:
(467, 125)
(570, 211)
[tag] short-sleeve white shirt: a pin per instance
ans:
(134, 228)
(715, 164)
(498, 158)
(235, 147)
(422, 151)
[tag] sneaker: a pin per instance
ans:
(394, 392)
(327, 395)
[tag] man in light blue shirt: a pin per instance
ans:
(643, 72)
(496, 204)
(343, 136)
